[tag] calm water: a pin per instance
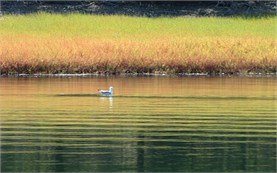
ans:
(152, 124)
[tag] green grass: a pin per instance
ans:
(136, 27)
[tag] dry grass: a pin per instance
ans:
(175, 52)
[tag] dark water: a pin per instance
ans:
(152, 124)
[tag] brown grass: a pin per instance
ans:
(27, 54)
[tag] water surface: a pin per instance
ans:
(164, 124)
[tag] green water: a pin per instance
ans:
(163, 124)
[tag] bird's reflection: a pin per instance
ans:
(109, 99)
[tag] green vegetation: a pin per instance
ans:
(138, 27)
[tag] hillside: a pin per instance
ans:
(150, 9)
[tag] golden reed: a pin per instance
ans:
(31, 54)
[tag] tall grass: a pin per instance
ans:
(76, 43)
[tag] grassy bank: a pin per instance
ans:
(75, 43)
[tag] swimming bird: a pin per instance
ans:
(108, 93)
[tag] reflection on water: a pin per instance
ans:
(107, 99)
(152, 124)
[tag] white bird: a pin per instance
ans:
(108, 93)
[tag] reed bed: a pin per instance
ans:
(75, 43)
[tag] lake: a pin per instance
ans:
(152, 124)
